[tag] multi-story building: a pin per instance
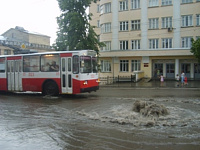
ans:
(4, 50)
(24, 39)
(147, 37)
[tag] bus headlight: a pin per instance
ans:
(85, 82)
(98, 80)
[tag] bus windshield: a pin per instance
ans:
(85, 64)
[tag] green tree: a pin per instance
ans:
(195, 49)
(75, 32)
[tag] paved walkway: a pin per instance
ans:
(155, 84)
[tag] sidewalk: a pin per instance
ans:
(155, 84)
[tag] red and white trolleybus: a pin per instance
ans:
(52, 73)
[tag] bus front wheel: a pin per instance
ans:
(50, 88)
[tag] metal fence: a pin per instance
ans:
(111, 80)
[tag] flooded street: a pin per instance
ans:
(104, 120)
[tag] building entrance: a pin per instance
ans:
(186, 69)
(170, 70)
(158, 69)
(197, 71)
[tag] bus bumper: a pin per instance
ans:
(89, 89)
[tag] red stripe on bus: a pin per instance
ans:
(66, 55)
(14, 58)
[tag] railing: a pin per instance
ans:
(29, 45)
(111, 80)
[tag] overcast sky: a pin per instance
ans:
(33, 15)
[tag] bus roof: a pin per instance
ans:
(78, 52)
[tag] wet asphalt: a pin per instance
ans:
(102, 120)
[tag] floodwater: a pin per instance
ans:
(99, 121)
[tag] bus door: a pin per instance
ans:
(18, 75)
(66, 75)
(14, 76)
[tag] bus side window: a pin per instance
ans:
(31, 63)
(75, 64)
(2, 65)
(50, 62)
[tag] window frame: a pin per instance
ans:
(123, 45)
(135, 25)
(123, 5)
(166, 22)
(107, 46)
(153, 43)
(136, 44)
(167, 43)
(197, 19)
(153, 3)
(105, 66)
(124, 65)
(153, 23)
(186, 1)
(123, 26)
(107, 8)
(166, 2)
(135, 4)
(106, 28)
(186, 42)
(186, 20)
(135, 65)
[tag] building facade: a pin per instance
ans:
(4, 50)
(24, 39)
(147, 37)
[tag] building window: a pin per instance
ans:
(135, 4)
(166, 22)
(123, 5)
(198, 19)
(108, 8)
(105, 28)
(124, 65)
(101, 9)
(7, 52)
(107, 47)
(135, 44)
(105, 66)
(153, 23)
(98, 8)
(186, 42)
(98, 23)
(135, 25)
(187, 21)
(123, 45)
(166, 2)
(187, 1)
(124, 26)
(153, 3)
(167, 43)
(135, 65)
(153, 43)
